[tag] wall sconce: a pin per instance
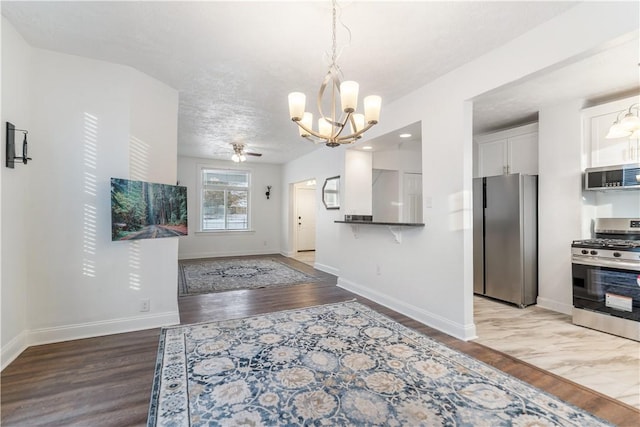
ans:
(11, 146)
(268, 193)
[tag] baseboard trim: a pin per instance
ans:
(326, 268)
(197, 255)
(101, 328)
(13, 349)
(553, 305)
(463, 332)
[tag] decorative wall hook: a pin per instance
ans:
(11, 146)
(268, 193)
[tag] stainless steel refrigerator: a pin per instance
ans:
(505, 238)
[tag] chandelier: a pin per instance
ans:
(628, 126)
(331, 129)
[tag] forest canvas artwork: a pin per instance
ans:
(145, 210)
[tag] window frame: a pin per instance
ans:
(201, 168)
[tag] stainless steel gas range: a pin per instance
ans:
(606, 278)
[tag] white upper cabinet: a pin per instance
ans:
(600, 151)
(509, 151)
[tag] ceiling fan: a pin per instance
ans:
(239, 153)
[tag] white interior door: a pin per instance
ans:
(306, 219)
(412, 197)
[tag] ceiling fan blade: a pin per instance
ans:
(253, 154)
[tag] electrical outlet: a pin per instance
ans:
(145, 304)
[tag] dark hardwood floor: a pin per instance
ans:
(106, 381)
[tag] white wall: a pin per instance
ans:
(358, 182)
(429, 274)
(264, 236)
(88, 120)
(16, 66)
(388, 187)
(617, 204)
(319, 165)
(559, 201)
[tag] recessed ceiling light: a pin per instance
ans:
(367, 147)
(405, 135)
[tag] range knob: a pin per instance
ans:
(617, 254)
(594, 252)
(584, 252)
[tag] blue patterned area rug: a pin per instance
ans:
(338, 364)
(219, 275)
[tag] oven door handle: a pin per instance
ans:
(634, 266)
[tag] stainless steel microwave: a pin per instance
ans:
(620, 177)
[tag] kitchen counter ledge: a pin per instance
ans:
(391, 224)
(395, 228)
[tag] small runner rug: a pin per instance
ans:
(211, 275)
(338, 364)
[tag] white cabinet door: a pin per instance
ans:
(605, 151)
(522, 151)
(492, 157)
(602, 151)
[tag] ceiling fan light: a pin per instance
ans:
(630, 122)
(616, 131)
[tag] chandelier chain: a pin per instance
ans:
(334, 45)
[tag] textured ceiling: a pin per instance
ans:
(234, 63)
(608, 74)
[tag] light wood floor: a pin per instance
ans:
(594, 359)
(106, 381)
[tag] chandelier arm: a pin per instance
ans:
(333, 77)
(314, 133)
(358, 134)
(309, 130)
(341, 125)
(316, 141)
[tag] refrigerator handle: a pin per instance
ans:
(484, 193)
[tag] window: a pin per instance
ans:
(224, 199)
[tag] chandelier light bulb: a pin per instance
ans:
(358, 119)
(235, 158)
(372, 104)
(297, 101)
(307, 121)
(324, 128)
(349, 96)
